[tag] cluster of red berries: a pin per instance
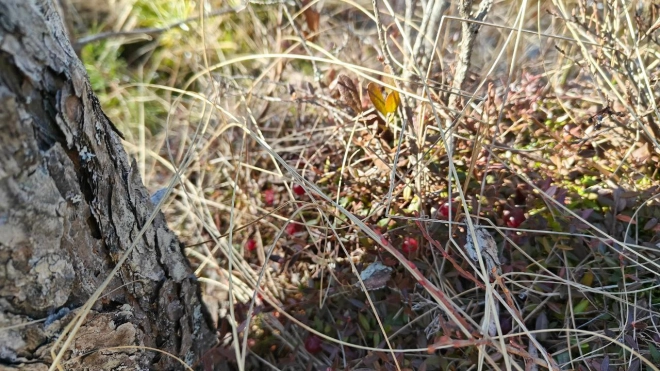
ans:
(269, 194)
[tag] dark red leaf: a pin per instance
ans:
(313, 344)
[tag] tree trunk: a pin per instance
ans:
(71, 204)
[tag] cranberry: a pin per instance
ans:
(444, 210)
(293, 228)
(269, 197)
(251, 244)
(514, 218)
(298, 190)
(409, 245)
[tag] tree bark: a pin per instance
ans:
(71, 203)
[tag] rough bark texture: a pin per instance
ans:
(71, 202)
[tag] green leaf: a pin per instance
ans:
(414, 204)
(383, 222)
(655, 354)
(364, 322)
(563, 357)
(582, 305)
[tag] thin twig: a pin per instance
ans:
(439, 8)
(421, 34)
(317, 72)
(468, 31)
(388, 60)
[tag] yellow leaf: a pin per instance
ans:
(376, 97)
(392, 102)
(587, 279)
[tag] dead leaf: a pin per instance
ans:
(313, 18)
(375, 276)
(641, 154)
(486, 246)
(349, 93)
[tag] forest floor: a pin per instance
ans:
(325, 184)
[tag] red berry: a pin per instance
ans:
(313, 344)
(293, 228)
(409, 245)
(298, 189)
(444, 210)
(514, 218)
(269, 197)
(251, 244)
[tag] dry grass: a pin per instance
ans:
(290, 185)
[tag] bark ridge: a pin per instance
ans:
(71, 203)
